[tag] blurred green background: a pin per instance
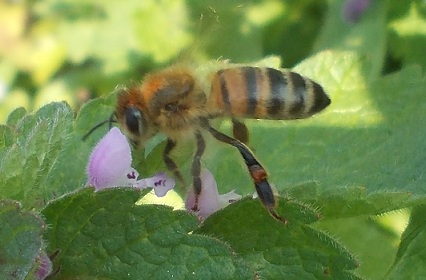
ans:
(76, 50)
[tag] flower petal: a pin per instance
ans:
(228, 198)
(161, 184)
(208, 200)
(110, 161)
(353, 9)
(44, 267)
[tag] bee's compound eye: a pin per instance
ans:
(133, 118)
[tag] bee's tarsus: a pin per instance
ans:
(264, 191)
(274, 214)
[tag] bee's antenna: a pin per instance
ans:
(110, 120)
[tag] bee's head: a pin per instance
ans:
(131, 115)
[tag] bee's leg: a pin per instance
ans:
(170, 164)
(257, 172)
(110, 120)
(240, 131)
(196, 168)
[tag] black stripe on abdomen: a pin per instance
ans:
(278, 88)
(224, 91)
(299, 90)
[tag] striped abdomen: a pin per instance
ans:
(265, 93)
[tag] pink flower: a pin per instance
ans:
(209, 200)
(110, 166)
(44, 266)
(353, 9)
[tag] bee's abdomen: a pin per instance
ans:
(265, 93)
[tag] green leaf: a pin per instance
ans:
(347, 202)
(20, 240)
(69, 170)
(374, 247)
(6, 137)
(276, 250)
(92, 113)
(28, 161)
(16, 116)
(411, 256)
(105, 235)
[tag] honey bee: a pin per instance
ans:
(178, 103)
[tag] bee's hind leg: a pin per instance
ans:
(240, 131)
(256, 170)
